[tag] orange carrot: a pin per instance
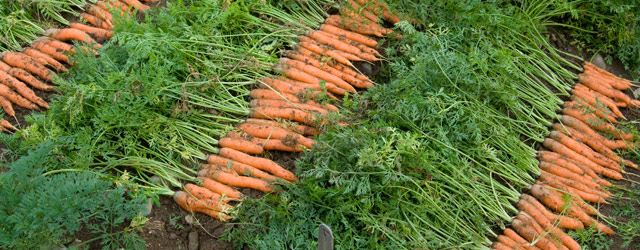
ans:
(571, 197)
(556, 203)
(7, 106)
(585, 151)
(310, 61)
(558, 171)
(50, 60)
(213, 208)
(268, 144)
(367, 53)
(616, 82)
(311, 45)
(597, 123)
(93, 31)
(527, 219)
(30, 79)
(5, 124)
(528, 232)
(298, 75)
(122, 7)
(100, 13)
(23, 61)
(220, 188)
(560, 161)
(203, 193)
(381, 9)
(562, 149)
(585, 94)
(275, 103)
(546, 224)
(561, 220)
(51, 51)
(270, 94)
(136, 4)
(356, 24)
(259, 163)
(584, 128)
(349, 35)
(335, 64)
(21, 88)
(241, 145)
(324, 38)
(95, 21)
(586, 196)
(16, 98)
(266, 131)
(235, 180)
(316, 72)
(289, 126)
(592, 83)
(521, 243)
(589, 140)
(285, 113)
(586, 107)
(584, 187)
(357, 9)
(297, 89)
(499, 246)
(72, 34)
(240, 168)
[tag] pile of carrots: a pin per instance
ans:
(576, 158)
(37, 65)
(286, 109)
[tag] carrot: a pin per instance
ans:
(357, 9)
(114, 5)
(589, 140)
(616, 82)
(558, 171)
(5, 124)
(275, 103)
(30, 79)
(379, 8)
(290, 126)
(50, 60)
(349, 35)
(520, 242)
(259, 163)
(561, 220)
(270, 94)
(311, 70)
(586, 196)
(298, 75)
(269, 131)
(526, 218)
(546, 224)
(591, 82)
(571, 197)
(585, 129)
(528, 232)
(296, 89)
(582, 92)
(268, 144)
(93, 31)
(95, 21)
(506, 241)
(366, 52)
(560, 161)
(308, 60)
(544, 175)
(361, 27)
(562, 149)
(21, 88)
(556, 203)
(136, 4)
(220, 188)
(241, 145)
(335, 64)
(23, 61)
(311, 45)
(51, 51)
(499, 246)
(7, 106)
(240, 168)
(325, 38)
(586, 107)
(100, 13)
(597, 124)
(285, 113)
(72, 34)
(213, 208)
(235, 180)
(203, 193)
(584, 150)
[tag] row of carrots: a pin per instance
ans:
(287, 109)
(576, 158)
(37, 65)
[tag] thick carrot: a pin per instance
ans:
(324, 38)
(560, 161)
(268, 144)
(380, 8)
(241, 145)
(562, 149)
(95, 21)
(50, 60)
(290, 126)
(499, 246)
(117, 5)
(335, 64)
(310, 61)
(213, 208)
(240, 168)
(100, 13)
(556, 203)
(526, 218)
(203, 193)
(136, 4)
(571, 197)
(30, 79)
(604, 80)
(584, 128)
(266, 131)
(7, 106)
(299, 75)
(270, 94)
(521, 243)
(68, 34)
(558, 171)
(93, 31)
(311, 70)
(23, 61)
(349, 35)
(220, 188)
(367, 53)
(546, 224)
(619, 83)
(561, 220)
(584, 150)
(51, 51)
(586, 107)
(506, 241)
(285, 113)
(21, 88)
(358, 9)
(297, 89)
(586, 196)
(584, 187)
(527, 231)
(275, 103)
(259, 163)
(589, 140)
(235, 180)
(597, 123)
(595, 99)
(312, 45)
(592, 83)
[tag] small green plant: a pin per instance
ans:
(174, 220)
(590, 239)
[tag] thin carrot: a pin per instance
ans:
(259, 163)
(270, 94)
(241, 145)
(591, 82)
(559, 160)
(68, 34)
(571, 197)
(528, 232)
(310, 61)
(584, 128)
(357, 8)
(220, 188)
(7, 106)
(23, 61)
(95, 21)
(51, 51)
(285, 113)
(556, 203)
(499, 246)
(203, 193)
(21, 88)
(136, 4)
(562, 149)
(50, 60)
(561, 220)
(268, 144)
(361, 27)
(324, 38)
(367, 52)
(547, 225)
(521, 243)
(299, 75)
(213, 208)
(5, 124)
(100, 13)
(266, 131)
(275, 103)
(584, 150)
(616, 82)
(297, 89)
(311, 45)
(345, 68)
(586, 95)
(240, 168)
(93, 31)
(558, 171)
(586, 107)
(289, 126)
(586, 196)
(349, 35)
(30, 79)
(597, 123)
(122, 7)
(589, 140)
(575, 184)
(311, 70)
(235, 180)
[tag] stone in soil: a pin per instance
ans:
(193, 240)
(598, 60)
(188, 219)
